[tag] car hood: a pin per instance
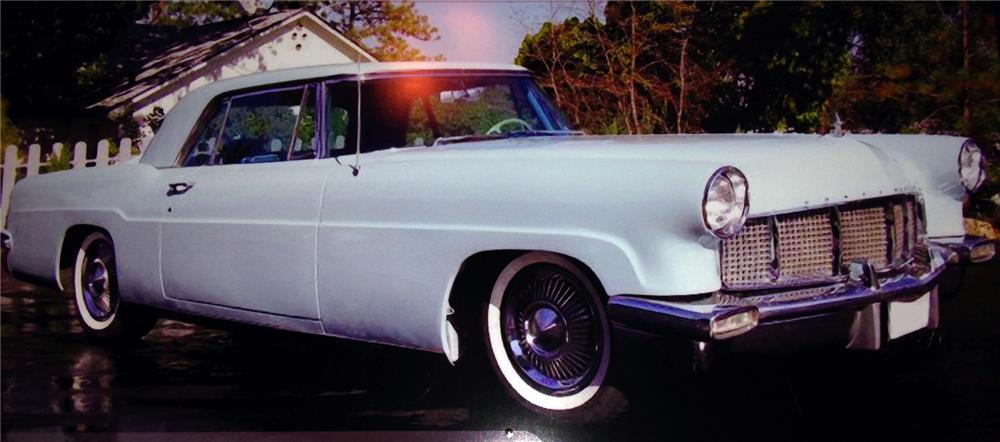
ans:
(786, 172)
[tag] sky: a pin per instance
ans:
(490, 31)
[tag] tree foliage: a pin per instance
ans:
(783, 59)
(382, 28)
(765, 66)
(920, 67)
(637, 72)
(9, 134)
(50, 48)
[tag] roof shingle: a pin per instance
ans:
(151, 55)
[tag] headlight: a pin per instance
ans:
(726, 202)
(971, 166)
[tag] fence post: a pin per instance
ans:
(10, 164)
(57, 152)
(102, 153)
(34, 159)
(124, 151)
(80, 155)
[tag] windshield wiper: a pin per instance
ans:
(515, 134)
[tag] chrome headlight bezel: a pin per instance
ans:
(974, 179)
(740, 187)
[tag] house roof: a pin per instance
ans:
(152, 56)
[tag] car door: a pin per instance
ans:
(241, 229)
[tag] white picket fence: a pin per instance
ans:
(35, 164)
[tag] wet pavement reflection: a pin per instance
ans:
(190, 378)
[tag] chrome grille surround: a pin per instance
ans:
(809, 247)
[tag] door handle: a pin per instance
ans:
(179, 188)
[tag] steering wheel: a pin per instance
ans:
(496, 127)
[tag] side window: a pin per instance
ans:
(341, 100)
(259, 128)
(201, 152)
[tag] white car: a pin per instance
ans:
(465, 211)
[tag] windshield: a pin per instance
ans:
(424, 110)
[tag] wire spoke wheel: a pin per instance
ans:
(549, 336)
(98, 300)
(550, 330)
(100, 295)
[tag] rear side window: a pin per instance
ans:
(262, 127)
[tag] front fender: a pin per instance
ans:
(930, 162)
(392, 239)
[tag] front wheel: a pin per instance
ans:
(548, 339)
(99, 306)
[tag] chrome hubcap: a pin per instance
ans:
(99, 296)
(545, 331)
(550, 325)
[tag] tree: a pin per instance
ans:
(382, 28)
(637, 72)
(766, 66)
(922, 67)
(927, 68)
(783, 60)
(192, 13)
(9, 134)
(48, 46)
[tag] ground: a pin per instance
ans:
(188, 378)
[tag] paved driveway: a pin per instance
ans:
(187, 378)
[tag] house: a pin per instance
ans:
(162, 64)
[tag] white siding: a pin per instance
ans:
(302, 44)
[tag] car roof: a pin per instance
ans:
(330, 70)
(163, 150)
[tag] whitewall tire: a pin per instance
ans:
(99, 305)
(548, 339)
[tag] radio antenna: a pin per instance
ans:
(356, 168)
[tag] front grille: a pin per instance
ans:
(748, 255)
(863, 235)
(807, 247)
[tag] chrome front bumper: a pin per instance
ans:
(723, 315)
(969, 249)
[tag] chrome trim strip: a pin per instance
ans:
(873, 201)
(907, 238)
(835, 228)
(774, 269)
(890, 230)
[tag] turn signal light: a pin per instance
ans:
(982, 252)
(723, 327)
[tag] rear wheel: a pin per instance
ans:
(99, 306)
(548, 339)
